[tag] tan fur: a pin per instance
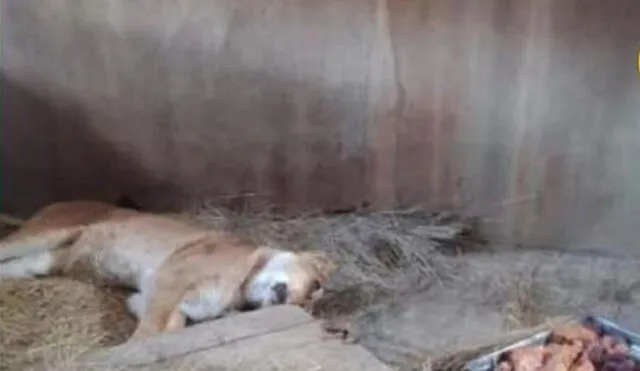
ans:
(179, 269)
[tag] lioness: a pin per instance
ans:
(180, 271)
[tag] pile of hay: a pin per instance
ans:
(54, 318)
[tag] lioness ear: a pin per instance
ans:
(320, 261)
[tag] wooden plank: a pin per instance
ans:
(203, 336)
(278, 338)
(256, 353)
(300, 348)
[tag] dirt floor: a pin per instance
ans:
(414, 285)
(497, 293)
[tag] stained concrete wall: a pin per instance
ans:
(529, 109)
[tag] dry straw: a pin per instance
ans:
(57, 318)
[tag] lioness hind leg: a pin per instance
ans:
(34, 265)
(27, 253)
(29, 242)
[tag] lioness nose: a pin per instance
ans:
(280, 290)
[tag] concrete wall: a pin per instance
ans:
(527, 108)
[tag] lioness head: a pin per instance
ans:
(289, 278)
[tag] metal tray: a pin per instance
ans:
(605, 326)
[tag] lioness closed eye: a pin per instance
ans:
(179, 270)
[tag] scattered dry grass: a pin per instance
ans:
(536, 291)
